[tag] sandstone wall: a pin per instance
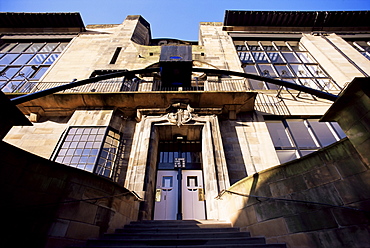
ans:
(46, 204)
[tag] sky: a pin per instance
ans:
(172, 18)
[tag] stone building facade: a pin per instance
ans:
(142, 111)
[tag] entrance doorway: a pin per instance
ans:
(169, 197)
(179, 192)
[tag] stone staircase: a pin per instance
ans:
(177, 233)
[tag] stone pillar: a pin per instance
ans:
(352, 112)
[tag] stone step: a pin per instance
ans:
(178, 225)
(177, 230)
(177, 235)
(165, 222)
(174, 241)
(197, 246)
(192, 233)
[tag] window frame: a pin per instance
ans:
(10, 48)
(98, 155)
(266, 48)
(299, 150)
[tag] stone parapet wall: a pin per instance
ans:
(334, 176)
(46, 204)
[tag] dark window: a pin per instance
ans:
(23, 64)
(294, 138)
(288, 61)
(170, 150)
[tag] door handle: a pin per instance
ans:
(158, 193)
(200, 194)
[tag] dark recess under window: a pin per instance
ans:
(115, 55)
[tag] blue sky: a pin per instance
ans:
(171, 18)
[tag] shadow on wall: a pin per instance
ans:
(321, 200)
(233, 153)
(46, 204)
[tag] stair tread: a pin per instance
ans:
(165, 229)
(175, 233)
(202, 246)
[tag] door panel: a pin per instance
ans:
(192, 195)
(165, 207)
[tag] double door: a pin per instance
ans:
(179, 195)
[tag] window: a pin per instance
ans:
(288, 61)
(93, 149)
(363, 47)
(294, 138)
(170, 150)
(23, 64)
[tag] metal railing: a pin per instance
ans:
(122, 85)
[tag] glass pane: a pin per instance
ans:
(300, 70)
(241, 48)
(251, 69)
(260, 57)
(12, 86)
(316, 71)
(255, 48)
(286, 156)
(9, 72)
(40, 72)
(89, 167)
(275, 58)
(310, 83)
(290, 57)
(7, 47)
(272, 86)
(34, 47)
(7, 59)
(20, 47)
(283, 71)
(306, 152)
(246, 57)
(24, 73)
(338, 129)
(267, 71)
(23, 59)
(322, 132)
(269, 48)
(278, 134)
(51, 59)
(305, 57)
(61, 47)
(256, 84)
(327, 84)
(167, 182)
(301, 134)
(38, 59)
(49, 47)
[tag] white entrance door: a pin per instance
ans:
(166, 195)
(192, 195)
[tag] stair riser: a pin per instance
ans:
(203, 246)
(179, 226)
(227, 241)
(174, 230)
(176, 236)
